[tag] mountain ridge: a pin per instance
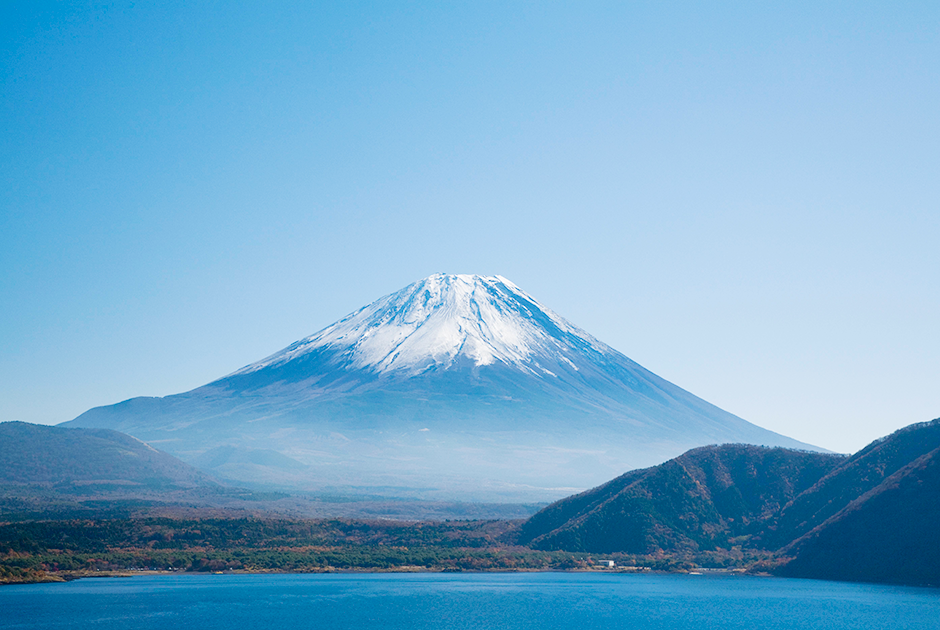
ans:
(861, 474)
(701, 500)
(871, 516)
(444, 317)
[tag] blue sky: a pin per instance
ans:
(744, 198)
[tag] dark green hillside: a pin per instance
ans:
(561, 512)
(701, 500)
(870, 517)
(889, 534)
(859, 474)
(80, 460)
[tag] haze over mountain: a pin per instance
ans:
(52, 471)
(457, 385)
(59, 472)
(56, 457)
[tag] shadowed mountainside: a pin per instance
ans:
(888, 533)
(861, 473)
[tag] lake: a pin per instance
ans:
(416, 601)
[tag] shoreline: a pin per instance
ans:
(61, 577)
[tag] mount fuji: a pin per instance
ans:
(457, 386)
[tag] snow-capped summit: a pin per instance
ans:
(444, 320)
(457, 387)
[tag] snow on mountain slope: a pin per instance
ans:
(463, 386)
(441, 319)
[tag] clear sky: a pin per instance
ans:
(742, 197)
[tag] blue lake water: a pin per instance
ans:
(543, 601)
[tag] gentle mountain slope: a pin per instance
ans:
(700, 500)
(55, 472)
(456, 386)
(69, 459)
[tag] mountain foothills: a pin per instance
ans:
(871, 517)
(456, 386)
(887, 528)
(59, 472)
(709, 497)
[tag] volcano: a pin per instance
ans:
(457, 386)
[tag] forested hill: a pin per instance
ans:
(859, 474)
(703, 499)
(872, 516)
(889, 531)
